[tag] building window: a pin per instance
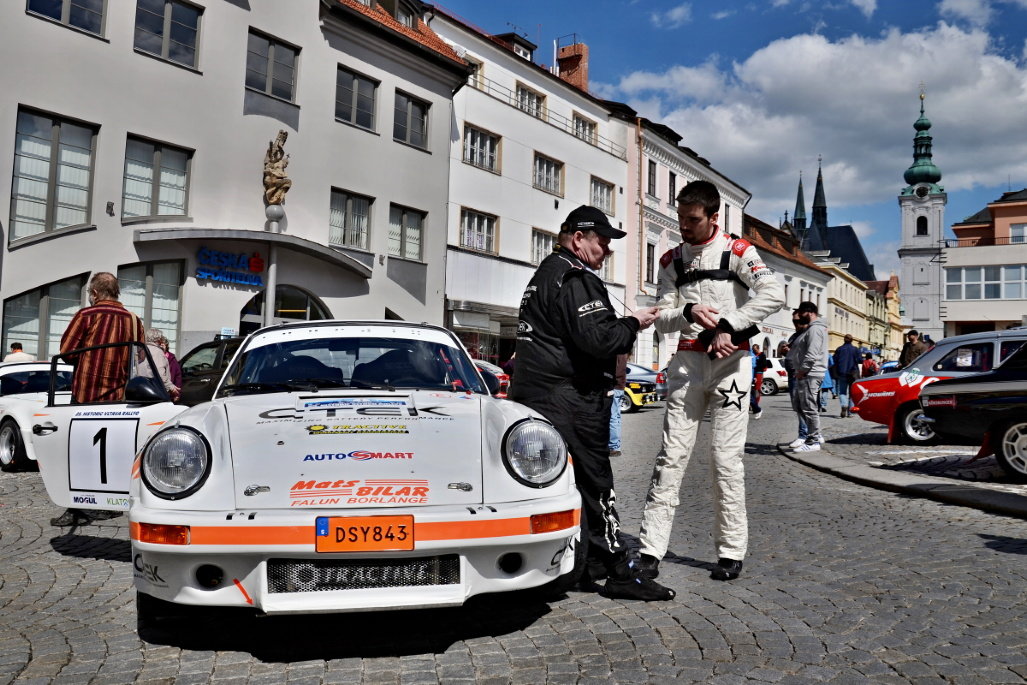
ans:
(349, 219)
(37, 319)
(406, 230)
(522, 51)
(478, 231)
(672, 186)
(82, 14)
(355, 98)
(602, 195)
(542, 244)
(1017, 233)
(585, 129)
(727, 217)
(53, 169)
(168, 29)
(531, 102)
(548, 174)
(270, 66)
(404, 16)
(650, 263)
(921, 225)
(476, 79)
(156, 179)
(411, 121)
(153, 292)
(652, 178)
(481, 148)
(983, 282)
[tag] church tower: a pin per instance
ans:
(922, 205)
(799, 217)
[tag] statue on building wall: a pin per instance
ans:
(276, 182)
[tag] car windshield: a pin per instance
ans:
(351, 362)
(20, 382)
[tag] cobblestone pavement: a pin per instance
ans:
(843, 584)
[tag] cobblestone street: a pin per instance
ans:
(843, 583)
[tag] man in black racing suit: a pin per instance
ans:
(568, 340)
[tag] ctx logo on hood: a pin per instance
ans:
(358, 455)
(592, 306)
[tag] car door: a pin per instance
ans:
(86, 451)
(200, 374)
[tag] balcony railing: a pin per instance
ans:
(985, 241)
(504, 94)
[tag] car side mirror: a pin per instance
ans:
(491, 381)
(145, 390)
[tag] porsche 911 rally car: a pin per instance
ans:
(340, 466)
(23, 392)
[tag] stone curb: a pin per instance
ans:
(932, 487)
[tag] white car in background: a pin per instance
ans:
(340, 466)
(23, 394)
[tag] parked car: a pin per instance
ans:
(775, 378)
(893, 398)
(637, 372)
(888, 367)
(203, 366)
(340, 466)
(23, 393)
(502, 377)
(990, 408)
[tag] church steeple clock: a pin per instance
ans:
(922, 205)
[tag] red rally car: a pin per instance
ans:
(893, 399)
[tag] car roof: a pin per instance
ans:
(8, 367)
(1017, 332)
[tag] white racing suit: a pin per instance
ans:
(696, 382)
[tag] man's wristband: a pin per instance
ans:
(687, 312)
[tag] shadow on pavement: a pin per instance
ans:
(92, 547)
(343, 636)
(1001, 543)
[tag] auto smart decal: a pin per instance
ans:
(345, 428)
(357, 455)
(308, 493)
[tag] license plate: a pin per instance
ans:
(364, 533)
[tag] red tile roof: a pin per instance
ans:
(421, 34)
(766, 238)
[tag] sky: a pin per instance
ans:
(762, 88)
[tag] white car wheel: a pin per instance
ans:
(768, 387)
(624, 403)
(12, 451)
(912, 428)
(1012, 450)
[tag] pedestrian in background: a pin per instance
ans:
(827, 387)
(846, 370)
(704, 295)
(759, 366)
(809, 359)
(160, 361)
(18, 355)
(869, 366)
(174, 367)
(99, 375)
(912, 349)
(800, 328)
(567, 343)
(621, 376)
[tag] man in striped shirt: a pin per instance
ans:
(100, 375)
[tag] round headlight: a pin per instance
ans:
(534, 453)
(176, 463)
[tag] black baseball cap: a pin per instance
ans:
(586, 218)
(913, 333)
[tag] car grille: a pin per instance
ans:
(324, 575)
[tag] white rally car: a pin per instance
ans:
(340, 466)
(23, 394)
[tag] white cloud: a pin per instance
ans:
(977, 12)
(723, 14)
(675, 17)
(867, 7)
(854, 100)
(863, 229)
(884, 256)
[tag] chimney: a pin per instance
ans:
(573, 64)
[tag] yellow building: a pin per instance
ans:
(884, 319)
(846, 303)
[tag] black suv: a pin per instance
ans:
(203, 366)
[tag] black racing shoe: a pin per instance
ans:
(726, 569)
(646, 566)
(636, 587)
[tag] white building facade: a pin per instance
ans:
(137, 136)
(527, 147)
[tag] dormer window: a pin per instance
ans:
(403, 11)
(522, 51)
(521, 46)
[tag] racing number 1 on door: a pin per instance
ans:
(100, 454)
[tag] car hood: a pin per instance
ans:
(363, 449)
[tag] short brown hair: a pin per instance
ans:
(701, 193)
(105, 284)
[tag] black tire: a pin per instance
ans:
(1011, 449)
(768, 387)
(12, 448)
(912, 431)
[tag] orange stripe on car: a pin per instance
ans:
(304, 535)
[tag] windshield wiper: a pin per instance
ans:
(247, 388)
